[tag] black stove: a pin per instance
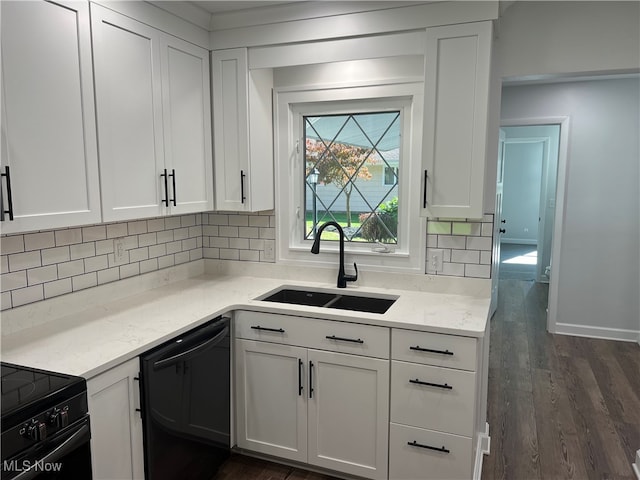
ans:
(45, 424)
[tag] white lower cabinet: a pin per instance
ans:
(116, 426)
(319, 407)
(433, 406)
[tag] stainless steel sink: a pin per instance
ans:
(339, 301)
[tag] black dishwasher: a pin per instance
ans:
(186, 404)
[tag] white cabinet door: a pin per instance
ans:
(48, 119)
(271, 406)
(129, 100)
(187, 125)
(243, 133)
(458, 66)
(349, 413)
(116, 426)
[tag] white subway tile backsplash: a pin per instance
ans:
(93, 264)
(13, 281)
(42, 274)
(96, 232)
(479, 243)
(117, 230)
(87, 280)
(23, 296)
(38, 241)
(129, 270)
(137, 227)
(108, 275)
(147, 239)
(448, 241)
(12, 244)
(22, 261)
(465, 256)
(57, 288)
(70, 269)
(83, 250)
(51, 263)
(68, 237)
(55, 255)
(477, 271)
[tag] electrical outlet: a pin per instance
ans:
(436, 258)
(119, 252)
(269, 250)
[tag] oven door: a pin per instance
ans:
(64, 456)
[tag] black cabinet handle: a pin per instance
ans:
(242, 175)
(299, 377)
(429, 350)
(503, 221)
(416, 444)
(258, 327)
(7, 175)
(310, 379)
(165, 200)
(342, 339)
(439, 385)
(424, 192)
(502, 230)
(173, 181)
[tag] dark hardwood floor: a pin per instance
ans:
(559, 407)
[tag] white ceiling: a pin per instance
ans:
(215, 6)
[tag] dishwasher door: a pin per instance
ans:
(186, 404)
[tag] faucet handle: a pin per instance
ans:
(352, 278)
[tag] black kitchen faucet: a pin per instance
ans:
(342, 277)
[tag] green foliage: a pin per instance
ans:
(382, 225)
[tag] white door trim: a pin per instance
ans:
(556, 243)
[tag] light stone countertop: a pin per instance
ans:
(92, 339)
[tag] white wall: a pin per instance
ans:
(600, 257)
(560, 37)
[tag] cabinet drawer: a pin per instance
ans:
(409, 462)
(431, 397)
(436, 349)
(342, 337)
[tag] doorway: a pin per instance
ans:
(530, 168)
(548, 233)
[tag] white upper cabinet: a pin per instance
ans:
(153, 106)
(458, 66)
(243, 133)
(49, 153)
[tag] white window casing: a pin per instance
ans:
(291, 104)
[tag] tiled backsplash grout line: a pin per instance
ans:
(45, 264)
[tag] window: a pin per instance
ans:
(390, 175)
(351, 155)
(346, 155)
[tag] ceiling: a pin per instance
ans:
(215, 6)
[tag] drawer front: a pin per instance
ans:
(410, 462)
(431, 397)
(270, 327)
(342, 337)
(436, 349)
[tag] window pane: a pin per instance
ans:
(351, 175)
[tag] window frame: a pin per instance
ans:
(290, 108)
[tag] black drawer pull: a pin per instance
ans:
(420, 382)
(165, 200)
(242, 196)
(258, 327)
(416, 444)
(424, 194)
(429, 350)
(310, 379)
(173, 181)
(7, 175)
(353, 340)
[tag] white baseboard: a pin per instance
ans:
(483, 447)
(636, 466)
(619, 334)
